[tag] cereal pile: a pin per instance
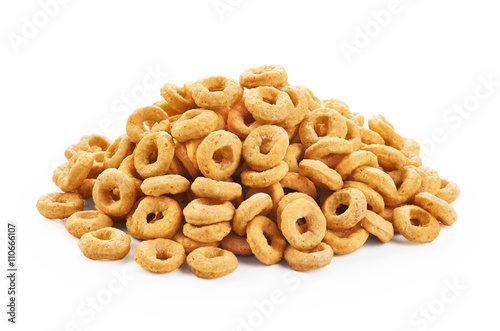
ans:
(221, 167)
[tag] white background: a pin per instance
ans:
(72, 74)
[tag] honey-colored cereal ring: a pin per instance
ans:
(69, 176)
(166, 108)
(286, 200)
(216, 92)
(376, 179)
(105, 243)
(315, 258)
(268, 104)
(59, 205)
(410, 184)
(265, 147)
(370, 137)
(106, 182)
(183, 157)
(353, 161)
(294, 153)
(388, 214)
(211, 262)
(82, 222)
(411, 145)
(315, 222)
(93, 143)
(195, 124)
(339, 106)
(412, 159)
(97, 165)
(70, 151)
(128, 168)
(135, 123)
(353, 135)
(427, 229)
(191, 148)
(374, 201)
(449, 191)
(326, 146)
(153, 154)
(313, 102)
(275, 191)
(384, 128)
(219, 155)
(300, 106)
(118, 151)
(162, 126)
(322, 122)
(85, 190)
(321, 175)
(179, 99)
(346, 241)
(236, 244)
(268, 75)
(264, 178)
(437, 207)
(160, 255)
(355, 201)
(260, 231)
(209, 188)
(205, 211)
(297, 182)
(190, 244)
(378, 226)
(166, 184)
(431, 182)
(207, 233)
(240, 121)
(359, 119)
(388, 157)
(176, 168)
(259, 204)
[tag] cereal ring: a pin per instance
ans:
(449, 191)
(370, 137)
(59, 205)
(275, 191)
(388, 157)
(82, 222)
(105, 243)
(93, 143)
(160, 255)
(205, 211)
(374, 201)
(135, 124)
(211, 262)
(388, 214)
(353, 135)
(240, 121)
(259, 204)
(153, 154)
(265, 240)
(314, 219)
(268, 75)
(411, 145)
(294, 153)
(265, 147)
(431, 182)
(359, 119)
(106, 201)
(315, 258)
(195, 124)
(219, 155)
(183, 157)
(346, 241)
(207, 233)
(190, 244)
(437, 207)
(70, 151)
(85, 190)
(326, 146)
(216, 92)
(97, 165)
(166, 184)
(353, 161)
(118, 151)
(166, 108)
(344, 208)
(69, 176)
(384, 128)
(163, 126)
(268, 105)
(410, 184)
(313, 102)
(322, 122)
(286, 200)
(176, 168)
(263, 178)
(321, 175)
(300, 106)
(179, 99)
(412, 159)
(209, 188)
(236, 244)
(376, 179)
(297, 182)
(378, 226)
(427, 227)
(128, 168)
(339, 106)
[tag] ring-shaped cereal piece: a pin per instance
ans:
(275, 191)
(369, 137)
(321, 123)
(59, 205)
(410, 184)
(82, 222)
(118, 151)
(296, 182)
(388, 157)
(353, 161)
(179, 99)
(106, 243)
(346, 241)
(425, 231)
(344, 209)
(97, 165)
(240, 121)
(160, 255)
(449, 191)
(166, 184)
(190, 244)
(376, 179)
(353, 135)
(300, 106)
(93, 143)
(163, 126)
(264, 178)
(265, 147)
(104, 198)
(211, 262)
(326, 146)
(437, 207)
(378, 226)
(315, 223)
(214, 189)
(153, 154)
(384, 128)
(268, 75)
(205, 211)
(320, 174)
(294, 153)
(207, 233)
(387, 214)
(313, 102)
(236, 244)
(339, 106)
(312, 259)
(412, 146)
(166, 108)
(286, 200)
(182, 155)
(219, 155)
(216, 92)
(431, 182)
(195, 124)
(265, 240)
(359, 119)
(128, 168)
(85, 190)
(412, 158)
(268, 104)
(259, 204)
(374, 201)
(135, 124)
(69, 176)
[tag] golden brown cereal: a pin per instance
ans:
(240, 121)
(322, 122)
(211, 262)
(313, 102)
(128, 168)
(162, 126)
(191, 148)
(339, 106)
(370, 137)
(85, 190)
(190, 244)
(268, 104)
(166, 108)
(437, 207)
(321, 175)
(410, 183)
(135, 123)
(264, 178)
(219, 190)
(97, 165)
(105, 243)
(265, 240)
(294, 153)
(105, 199)
(69, 176)
(346, 241)
(207, 233)
(59, 205)
(384, 128)
(449, 191)
(216, 92)
(153, 154)
(376, 179)
(160, 255)
(286, 200)
(412, 146)
(179, 99)
(275, 191)
(265, 147)
(195, 124)
(183, 157)
(378, 226)
(353, 135)
(93, 143)
(205, 211)
(300, 105)
(344, 208)
(358, 119)
(431, 182)
(315, 258)
(236, 244)
(268, 75)
(353, 161)
(296, 182)
(166, 184)
(82, 222)
(326, 146)
(375, 202)
(425, 231)
(388, 157)
(258, 204)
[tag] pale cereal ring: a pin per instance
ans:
(59, 205)
(153, 154)
(410, 184)
(268, 104)
(353, 161)
(339, 106)
(378, 226)
(166, 108)
(384, 128)
(427, 227)
(346, 241)
(240, 121)
(183, 157)
(85, 190)
(166, 184)
(209, 188)
(205, 211)
(135, 124)
(286, 200)
(359, 119)
(370, 137)
(388, 157)
(437, 207)
(105, 243)
(128, 168)
(353, 135)
(264, 178)
(195, 124)
(265, 240)
(300, 106)
(104, 198)
(374, 201)
(93, 143)
(411, 145)
(294, 153)
(431, 182)
(344, 208)
(69, 176)
(321, 175)
(236, 244)
(315, 258)
(315, 223)
(449, 191)
(412, 159)
(292, 132)
(207, 233)
(259, 204)
(211, 262)
(326, 146)
(265, 147)
(70, 151)
(296, 182)
(179, 99)
(216, 92)
(268, 75)
(219, 155)
(320, 123)
(190, 244)
(118, 151)
(82, 222)
(275, 191)
(376, 179)
(313, 102)
(160, 255)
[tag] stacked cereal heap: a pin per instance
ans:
(249, 167)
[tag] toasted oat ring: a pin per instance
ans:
(427, 229)
(268, 75)
(135, 123)
(374, 201)
(384, 128)
(410, 184)
(166, 108)
(160, 255)
(387, 214)
(93, 143)
(359, 119)
(326, 146)
(195, 124)
(236, 244)
(85, 190)
(431, 182)
(264, 178)
(260, 231)
(388, 157)
(275, 191)
(259, 204)
(166, 184)
(153, 154)
(315, 258)
(412, 146)
(209, 188)
(438, 208)
(378, 226)
(240, 121)
(97, 165)
(183, 157)
(219, 155)
(449, 191)
(128, 168)
(82, 222)
(339, 106)
(105, 201)
(296, 182)
(265, 147)
(69, 176)
(118, 151)
(207, 233)
(353, 135)
(268, 104)
(320, 174)
(211, 262)
(376, 179)
(179, 99)
(286, 200)
(106, 243)
(320, 123)
(205, 211)
(313, 102)
(412, 159)
(162, 126)
(294, 153)
(314, 219)
(59, 205)
(300, 106)
(370, 137)
(341, 219)
(216, 92)
(346, 241)
(190, 244)
(352, 161)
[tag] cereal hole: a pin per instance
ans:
(341, 209)
(415, 222)
(103, 235)
(301, 225)
(266, 145)
(153, 217)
